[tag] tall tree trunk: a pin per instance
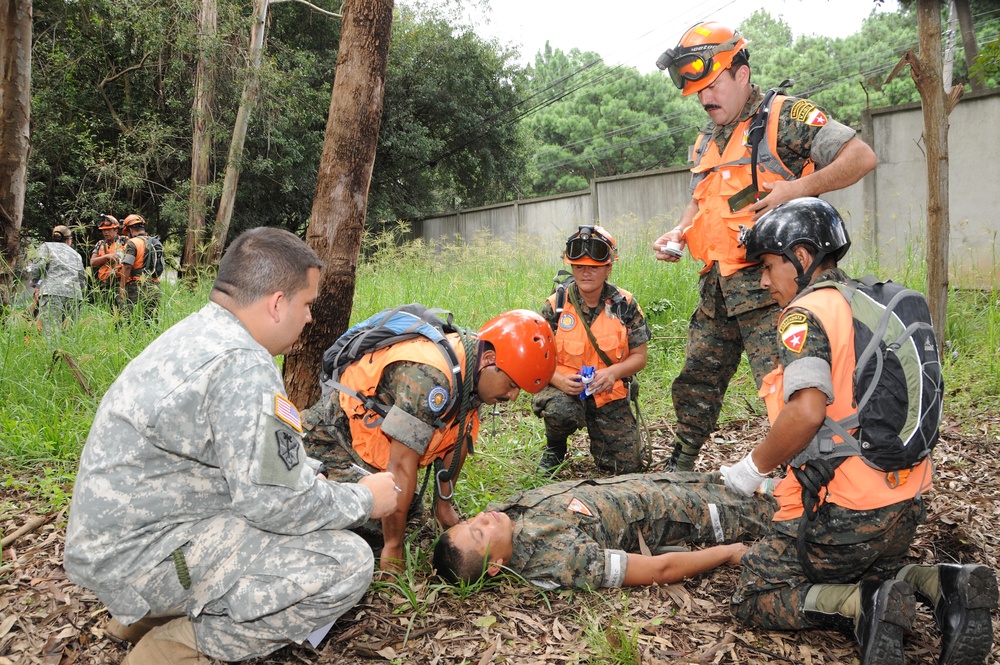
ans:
(968, 39)
(15, 145)
(345, 170)
(201, 138)
(949, 48)
(227, 200)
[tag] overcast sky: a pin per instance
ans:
(635, 32)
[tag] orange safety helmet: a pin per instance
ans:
(704, 52)
(525, 347)
(591, 245)
(108, 222)
(133, 220)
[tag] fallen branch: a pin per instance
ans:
(32, 525)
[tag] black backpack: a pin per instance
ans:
(152, 263)
(898, 385)
(388, 327)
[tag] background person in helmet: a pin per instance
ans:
(803, 152)
(136, 289)
(616, 322)
(58, 271)
(106, 259)
(845, 563)
(515, 352)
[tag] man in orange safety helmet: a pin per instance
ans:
(598, 326)
(106, 258)
(760, 150)
(515, 351)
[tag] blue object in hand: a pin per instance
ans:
(587, 376)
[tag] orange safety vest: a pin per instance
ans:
(713, 234)
(103, 249)
(855, 485)
(574, 350)
(364, 375)
(140, 260)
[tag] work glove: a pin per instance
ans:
(743, 477)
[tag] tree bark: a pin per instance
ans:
(201, 138)
(15, 139)
(935, 110)
(227, 199)
(338, 214)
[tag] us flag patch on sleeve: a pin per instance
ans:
(286, 412)
(793, 330)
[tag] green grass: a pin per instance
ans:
(45, 411)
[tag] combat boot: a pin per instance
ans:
(684, 455)
(887, 612)
(170, 644)
(134, 632)
(962, 597)
(552, 456)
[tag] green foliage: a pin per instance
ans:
(987, 64)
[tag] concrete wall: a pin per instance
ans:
(885, 211)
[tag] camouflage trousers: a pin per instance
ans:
(733, 315)
(845, 547)
(298, 584)
(614, 439)
(54, 310)
(141, 296)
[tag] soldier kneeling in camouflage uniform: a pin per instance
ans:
(586, 533)
(197, 517)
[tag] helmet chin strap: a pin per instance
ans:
(805, 276)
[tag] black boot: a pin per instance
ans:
(552, 456)
(887, 612)
(968, 593)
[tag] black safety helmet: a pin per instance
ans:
(806, 221)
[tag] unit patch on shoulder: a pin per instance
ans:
(288, 449)
(286, 412)
(437, 398)
(805, 111)
(567, 321)
(578, 506)
(793, 330)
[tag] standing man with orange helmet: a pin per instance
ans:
(600, 326)
(760, 150)
(514, 351)
(106, 259)
(139, 286)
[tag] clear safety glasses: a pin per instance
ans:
(693, 65)
(593, 246)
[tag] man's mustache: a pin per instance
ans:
(711, 107)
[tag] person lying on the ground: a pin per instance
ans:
(589, 533)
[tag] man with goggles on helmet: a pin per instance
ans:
(514, 352)
(799, 151)
(106, 259)
(600, 326)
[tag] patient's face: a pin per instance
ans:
(488, 534)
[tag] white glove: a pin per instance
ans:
(743, 477)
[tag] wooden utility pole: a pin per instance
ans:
(345, 170)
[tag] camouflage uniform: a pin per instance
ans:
(734, 314)
(844, 546)
(614, 441)
(577, 533)
(60, 269)
(144, 292)
(195, 454)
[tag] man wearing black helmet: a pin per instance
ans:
(843, 527)
(757, 145)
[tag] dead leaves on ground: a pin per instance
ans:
(46, 620)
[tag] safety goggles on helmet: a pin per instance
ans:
(589, 243)
(695, 62)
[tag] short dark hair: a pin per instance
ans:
(263, 261)
(454, 565)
